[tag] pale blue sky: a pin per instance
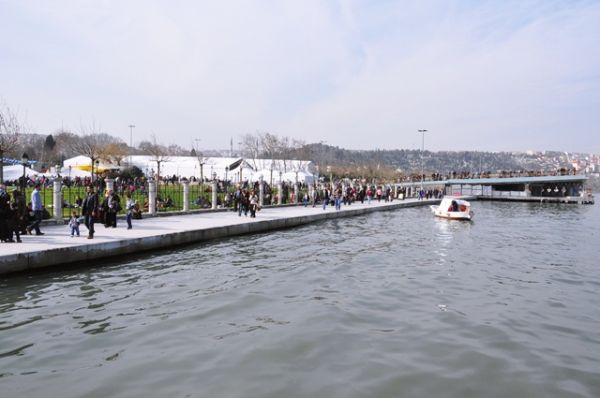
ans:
(497, 75)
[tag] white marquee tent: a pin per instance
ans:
(15, 172)
(224, 167)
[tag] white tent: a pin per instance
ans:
(300, 176)
(15, 172)
(74, 172)
(84, 163)
(78, 161)
(189, 166)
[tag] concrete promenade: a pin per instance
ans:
(57, 248)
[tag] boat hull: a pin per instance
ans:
(452, 215)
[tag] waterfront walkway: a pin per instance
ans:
(57, 248)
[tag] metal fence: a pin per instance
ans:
(169, 196)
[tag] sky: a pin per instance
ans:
(477, 75)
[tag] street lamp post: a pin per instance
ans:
(92, 176)
(422, 152)
(97, 167)
(131, 126)
(24, 162)
(200, 159)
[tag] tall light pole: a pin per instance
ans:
(422, 161)
(200, 158)
(131, 126)
(24, 162)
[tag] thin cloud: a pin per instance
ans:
(478, 75)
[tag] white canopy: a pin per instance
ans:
(16, 171)
(74, 172)
(189, 166)
(301, 176)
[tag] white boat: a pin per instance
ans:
(453, 208)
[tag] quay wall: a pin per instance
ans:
(93, 251)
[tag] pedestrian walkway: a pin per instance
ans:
(57, 247)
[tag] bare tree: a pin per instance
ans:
(197, 152)
(270, 145)
(92, 143)
(285, 148)
(158, 153)
(281, 148)
(115, 152)
(177, 150)
(251, 147)
(10, 128)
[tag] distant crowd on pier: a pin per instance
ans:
(463, 175)
(21, 214)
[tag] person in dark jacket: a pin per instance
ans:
(22, 213)
(111, 207)
(89, 209)
(4, 215)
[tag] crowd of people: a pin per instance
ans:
(463, 175)
(19, 217)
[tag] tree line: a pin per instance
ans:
(52, 149)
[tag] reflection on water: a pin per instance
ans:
(390, 304)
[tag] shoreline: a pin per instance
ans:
(57, 248)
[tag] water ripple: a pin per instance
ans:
(394, 303)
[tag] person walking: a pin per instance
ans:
(238, 201)
(253, 201)
(325, 198)
(15, 217)
(21, 213)
(113, 205)
(245, 202)
(89, 209)
(37, 208)
(4, 215)
(130, 206)
(338, 199)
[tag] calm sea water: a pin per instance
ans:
(392, 304)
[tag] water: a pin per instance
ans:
(385, 305)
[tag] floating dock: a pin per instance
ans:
(545, 189)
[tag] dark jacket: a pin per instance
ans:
(90, 204)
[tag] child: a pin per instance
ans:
(74, 223)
